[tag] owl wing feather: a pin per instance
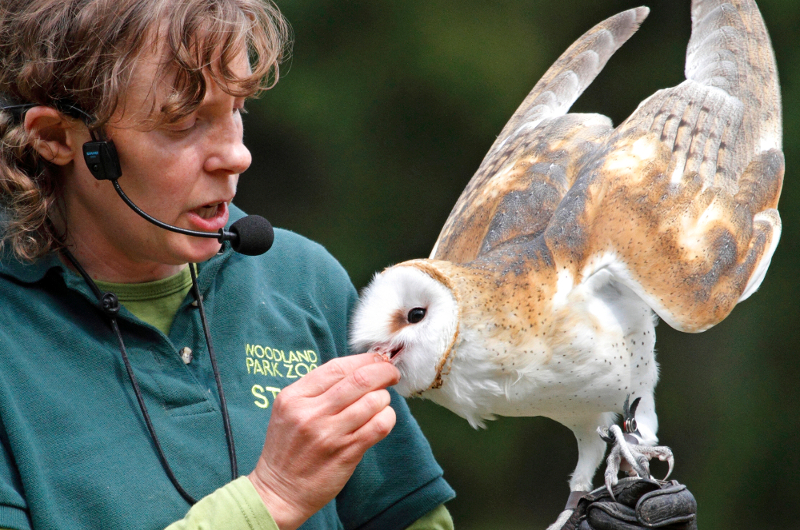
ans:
(534, 160)
(680, 203)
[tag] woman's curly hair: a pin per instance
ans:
(84, 53)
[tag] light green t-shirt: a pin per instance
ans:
(155, 302)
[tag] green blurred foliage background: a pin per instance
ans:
(379, 120)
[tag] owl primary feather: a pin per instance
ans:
(541, 294)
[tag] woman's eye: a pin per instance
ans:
(416, 314)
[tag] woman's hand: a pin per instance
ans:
(320, 427)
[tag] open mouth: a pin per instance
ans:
(209, 217)
(209, 211)
(388, 352)
(394, 351)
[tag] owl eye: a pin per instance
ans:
(416, 314)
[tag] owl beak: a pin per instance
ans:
(387, 351)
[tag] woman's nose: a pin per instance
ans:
(228, 152)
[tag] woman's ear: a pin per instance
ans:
(54, 137)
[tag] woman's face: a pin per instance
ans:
(184, 174)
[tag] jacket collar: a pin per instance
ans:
(28, 272)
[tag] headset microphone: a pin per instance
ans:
(251, 235)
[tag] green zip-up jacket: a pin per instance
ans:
(74, 450)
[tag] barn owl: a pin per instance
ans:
(541, 293)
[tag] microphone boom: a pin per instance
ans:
(251, 235)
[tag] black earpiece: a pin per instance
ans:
(100, 154)
(102, 160)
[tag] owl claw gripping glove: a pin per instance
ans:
(637, 504)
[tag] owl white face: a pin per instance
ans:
(410, 318)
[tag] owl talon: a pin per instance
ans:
(635, 455)
(605, 435)
(670, 461)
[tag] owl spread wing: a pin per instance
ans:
(679, 204)
(536, 158)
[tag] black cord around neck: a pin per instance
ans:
(109, 305)
(213, 358)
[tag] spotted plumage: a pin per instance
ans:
(541, 293)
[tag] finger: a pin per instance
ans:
(375, 430)
(363, 410)
(357, 384)
(322, 378)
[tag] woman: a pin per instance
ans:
(120, 415)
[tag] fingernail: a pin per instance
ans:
(378, 358)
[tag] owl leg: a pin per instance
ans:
(630, 447)
(590, 451)
(590, 454)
